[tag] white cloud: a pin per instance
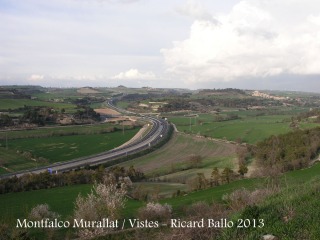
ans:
(135, 74)
(314, 19)
(86, 42)
(250, 41)
(195, 10)
(36, 78)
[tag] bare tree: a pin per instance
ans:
(195, 161)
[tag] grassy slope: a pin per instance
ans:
(174, 157)
(294, 213)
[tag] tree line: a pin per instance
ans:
(46, 180)
(289, 151)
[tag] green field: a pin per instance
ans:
(58, 94)
(122, 104)
(248, 129)
(13, 161)
(61, 199)
(58, 131)
(164, 190)
(96, 105)
(20, 103)
(59, 148)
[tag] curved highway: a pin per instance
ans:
(158, 131)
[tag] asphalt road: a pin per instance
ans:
(158, 131)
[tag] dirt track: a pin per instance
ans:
(106, 111)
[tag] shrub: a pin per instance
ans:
(42, 211)
(241, 198)
(155, 211)
(105, 201)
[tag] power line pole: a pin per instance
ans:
(6, 141)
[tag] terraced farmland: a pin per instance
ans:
(174, 157)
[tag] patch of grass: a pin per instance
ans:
(60, 200)
(294, 213)
(164, 190)
(96, 105)
(302, 175)
(122, 104)
(20, 103)
(3, 171)
(212, 194)
(14, 161)
(58, 149)
(57, 131)
(249, 129)
(58, 94)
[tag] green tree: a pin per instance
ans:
(226, 175)
(215, 177)
(201, 181)
(243, 169)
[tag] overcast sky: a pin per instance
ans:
(255, 44)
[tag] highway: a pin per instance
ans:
(158, 131)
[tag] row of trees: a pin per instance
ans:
(45, 115)
(34, 115)
(29, 182)
(39, 115)
(5, 120)
(223, 90)
(85, 112)
(176, 105)
(313, 113)
(179, 103)
(217, 178)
